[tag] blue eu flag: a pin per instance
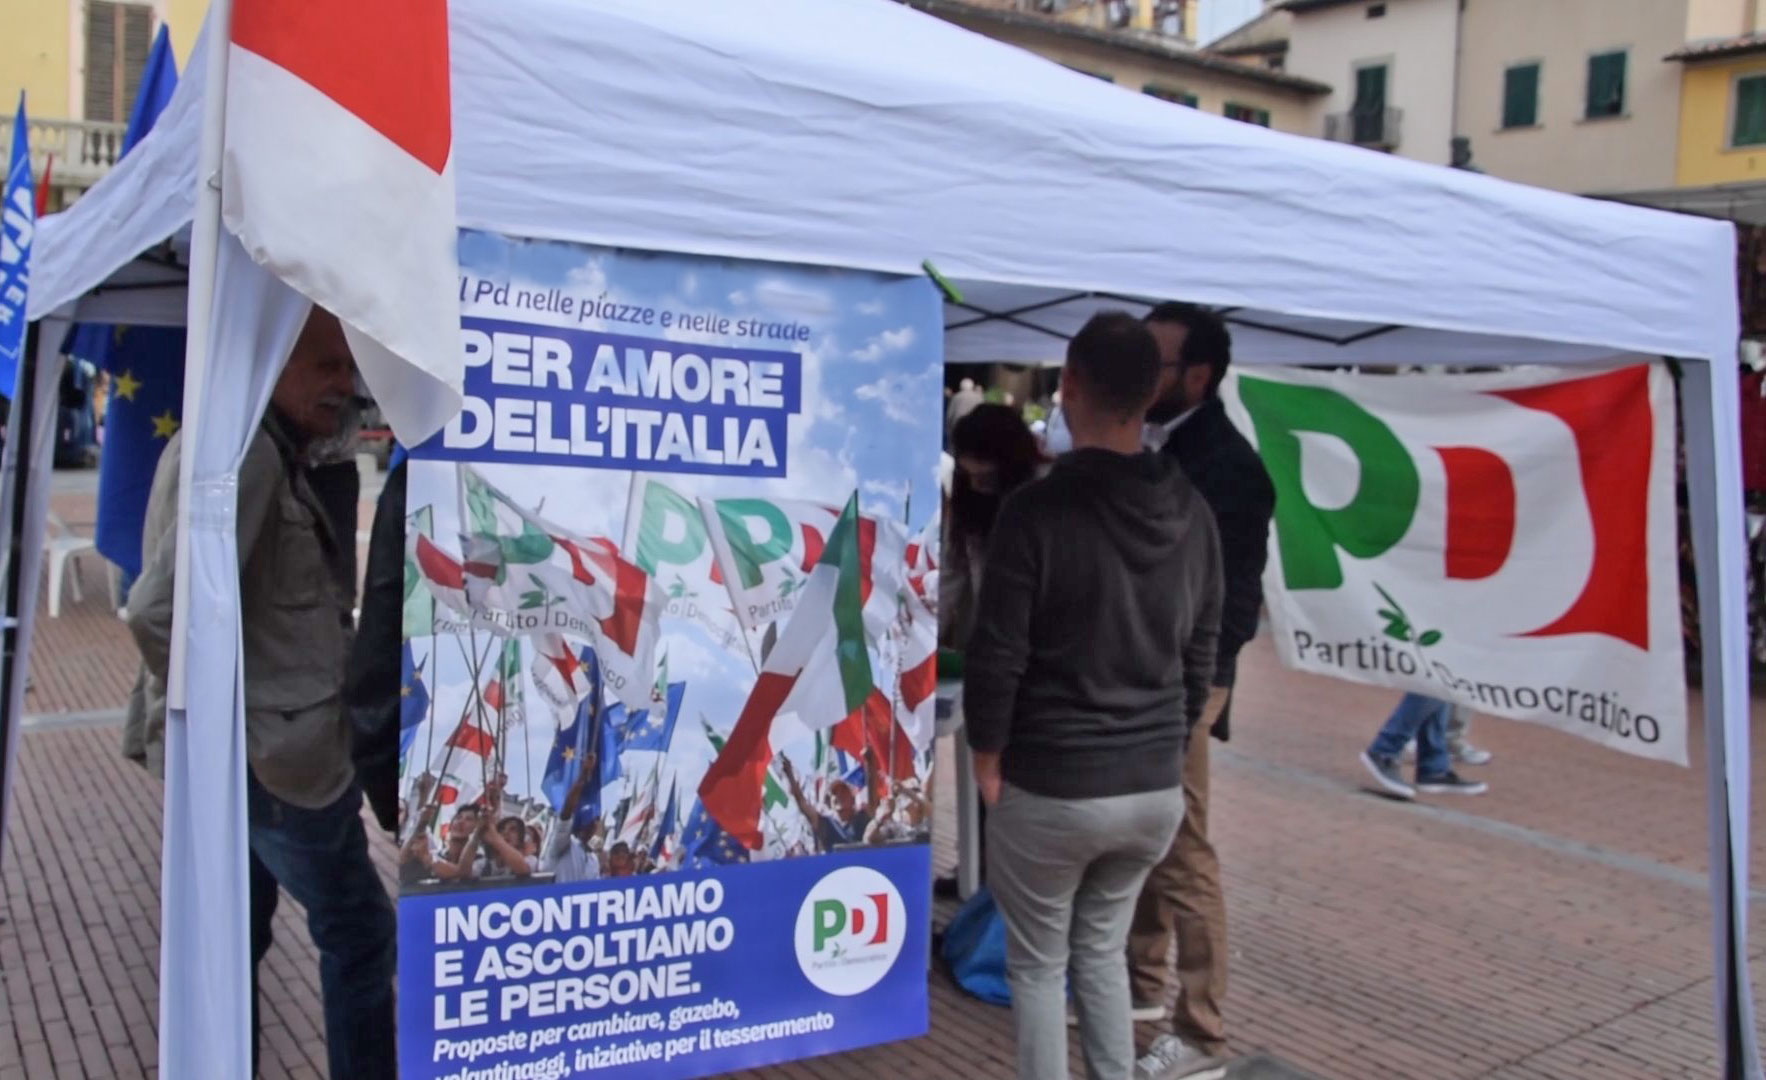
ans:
(707, 844)
(669, 814)
(146, 401)
(413, 700)
(571, 745)
(647, 730)
(146, 365)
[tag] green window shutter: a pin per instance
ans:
(1370, 89)
(1520, 96)
(1166, 93)
(1260, 117)
(1606, 85)
(1749, 125)
(1368, 114)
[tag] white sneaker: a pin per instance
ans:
(1467, 754)
(1170, 1058)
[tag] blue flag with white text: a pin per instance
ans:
(18, 223)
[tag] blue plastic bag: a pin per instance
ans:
(975, 949)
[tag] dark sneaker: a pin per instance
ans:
(1170, 1058)
(1386, 775)
(1450, 783)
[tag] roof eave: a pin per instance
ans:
(1218, 64)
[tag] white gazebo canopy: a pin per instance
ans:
(861, 133)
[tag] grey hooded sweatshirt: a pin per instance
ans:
(1095, 632)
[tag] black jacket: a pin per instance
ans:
(1094, 635)
(1230, 476)
(372, 678)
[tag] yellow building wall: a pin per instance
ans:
(34, 56)
(1706, 113)
(1142, 16)
(185, 19)
(40, 55)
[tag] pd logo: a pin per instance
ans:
(1610, 420)
(850, 930)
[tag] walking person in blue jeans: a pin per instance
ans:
(1424, 719)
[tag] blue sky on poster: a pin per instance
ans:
(871, 421)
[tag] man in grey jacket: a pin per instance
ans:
(1093, 647)
(295, 596)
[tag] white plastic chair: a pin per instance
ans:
(61, 545)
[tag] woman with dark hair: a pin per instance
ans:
(996, 454)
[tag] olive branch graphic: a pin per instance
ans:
(1399, 626)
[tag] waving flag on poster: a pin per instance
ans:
(18, 223)
(916, 695)
(419, 610)
(665, 536)
(442, 577)
(820, 670)
(575, 741)
(524, 575)
(560, 673)
(1504, 541)
(338, 176)
(767, 548)
(413, 699)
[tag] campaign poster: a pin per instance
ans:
(1502, 540)
(669, 662)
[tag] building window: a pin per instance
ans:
(1368, 114)
(1606, 85)
(1247, 114)
(1520, 96)
(1376, 11)
(1748, 128)
(1166, 93)
(118, 37)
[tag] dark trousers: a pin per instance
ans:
(321, 858)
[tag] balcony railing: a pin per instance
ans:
(84, 149)
(1377, 128)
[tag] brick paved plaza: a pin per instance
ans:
(1557, 928)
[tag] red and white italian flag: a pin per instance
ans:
(819, 670)
(338, 177)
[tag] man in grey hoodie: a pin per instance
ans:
(1090, 660)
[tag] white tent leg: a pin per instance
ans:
(1711, 409)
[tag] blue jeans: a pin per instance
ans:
(321, 858)
(1421, 718)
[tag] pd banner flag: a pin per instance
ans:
(674, 509)
(1505, 541)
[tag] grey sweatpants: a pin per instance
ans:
(1065, 873)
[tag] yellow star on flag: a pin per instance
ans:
(569, 753)
(165, 425)
(127, 384)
